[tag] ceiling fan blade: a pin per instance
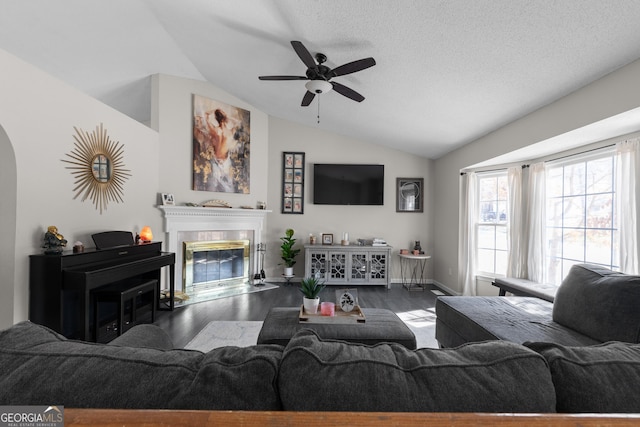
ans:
(348, 92)
(282, 78)
(307, 98)
(304, 54)
(354, 66)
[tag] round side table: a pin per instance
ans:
(412, 270)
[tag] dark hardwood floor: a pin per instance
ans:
(185, 322)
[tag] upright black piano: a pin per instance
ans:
(61, 286)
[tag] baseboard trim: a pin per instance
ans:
(446, 289)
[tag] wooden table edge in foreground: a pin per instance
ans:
(139, 417)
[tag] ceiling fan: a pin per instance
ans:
(319, 75)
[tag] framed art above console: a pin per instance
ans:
(293, 182)
(409, 194)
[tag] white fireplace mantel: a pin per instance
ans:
(187, 218)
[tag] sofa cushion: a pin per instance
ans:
(600, 378)
(38, 365)
(600, 303)
(144, 335)
(462, 319)
(330, 375)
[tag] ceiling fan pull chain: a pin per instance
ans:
(318, 110)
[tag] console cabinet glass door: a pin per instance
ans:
(337, 267)
(316, 264)
(368, 267)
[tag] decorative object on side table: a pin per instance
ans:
(311, 288)
(54, 242)
(287, 253)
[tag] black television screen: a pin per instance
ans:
(342, 184)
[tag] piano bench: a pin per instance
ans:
(121, 294)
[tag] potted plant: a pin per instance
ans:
(311, 288)
(287, 253)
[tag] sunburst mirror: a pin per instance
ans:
(97, 165)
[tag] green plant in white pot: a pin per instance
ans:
(311, 288)
(287, 253)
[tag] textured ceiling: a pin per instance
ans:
(447, 72)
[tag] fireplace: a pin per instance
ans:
(212, 265)
(204, 225)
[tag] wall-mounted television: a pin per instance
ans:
(348, 184)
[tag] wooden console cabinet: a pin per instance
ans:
(349, 265)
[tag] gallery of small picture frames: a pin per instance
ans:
(292, 182)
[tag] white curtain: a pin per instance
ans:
(515, 235)
(537, 241)
(467, 244)
(627, 175)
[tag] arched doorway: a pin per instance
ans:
(8, 203)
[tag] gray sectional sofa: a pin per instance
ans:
(140, 369)
(592, 305)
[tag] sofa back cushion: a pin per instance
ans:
(328, 375)
(38, 366)
(600, 378)
(599, 303)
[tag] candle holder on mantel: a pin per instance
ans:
(258, 278)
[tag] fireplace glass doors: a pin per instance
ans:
(213, 265)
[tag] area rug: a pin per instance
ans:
(225, 293)
(245, 333)
(221, 333)
(423, 325)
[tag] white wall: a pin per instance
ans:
(38, 114)
(172, 116)
(8, 194)
(399, 229)
(613, 94)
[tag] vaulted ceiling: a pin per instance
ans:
(447, 72)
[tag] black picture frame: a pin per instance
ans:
(293, 182)
(409, 194)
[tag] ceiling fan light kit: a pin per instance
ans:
(318, 86)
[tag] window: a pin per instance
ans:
(491, 226)
(580, 223)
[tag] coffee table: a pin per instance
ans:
(381, 325)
